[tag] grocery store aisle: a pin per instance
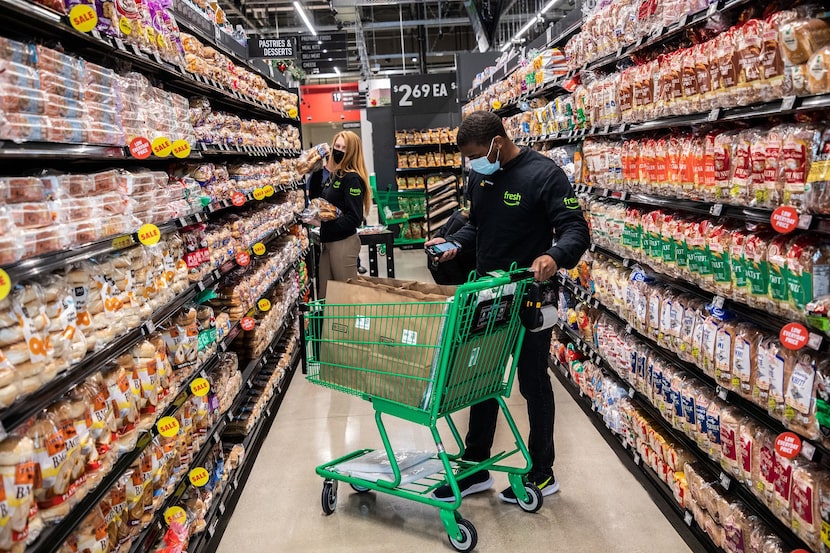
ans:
(600, 508)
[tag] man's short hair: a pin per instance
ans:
(479, 128)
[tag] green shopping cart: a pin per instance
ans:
(422, 362)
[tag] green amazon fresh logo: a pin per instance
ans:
(336, 184)
(571, 203)
(512, 199)
(354, 191)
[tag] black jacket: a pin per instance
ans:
(346, 193)
(516, 212)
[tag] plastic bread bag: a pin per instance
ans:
(800, 38)
(313, 159)
(320, 210)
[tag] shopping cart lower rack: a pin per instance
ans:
(461, 352)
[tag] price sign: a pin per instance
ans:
(259, 194)
(269, 191)
(175, 514)
(200, 387)
(199, 476)
(243, 259)
(238, 199)
(259, 248)
(419, 94)
(162, 146)
(181, 149)
(5, 284)
(784, 219)
(788, 445)
(125, 26)
(794, 336)
(264, 304)
(140, 148)
(168, 427)
(248, 324)
(149, 234)
(83, 18)
(293, 113)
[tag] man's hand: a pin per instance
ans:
(446, 256)
(543, 267)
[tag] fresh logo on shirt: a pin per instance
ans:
(336, 184)
(512, 199)
(354, 191)
(571, 203)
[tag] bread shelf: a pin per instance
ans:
(28, 406)
(421, 170)
(727, 482)
(697, 540)
(30, 19)
(760, 317)
(250, 151)
(426, 147)
(817, 223)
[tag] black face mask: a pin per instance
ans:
(337, 156)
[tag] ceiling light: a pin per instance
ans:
(414, 59)
(305, 18)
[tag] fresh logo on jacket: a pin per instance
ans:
(512, 199)
(354, 191)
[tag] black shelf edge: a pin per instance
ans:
(427, 147)
(728, 482)
(38, 21)
(212, 536)
(219, 149)
(807, 221)
(760, 317)
(60, 151)
(697, 540)
(818, 453)
(440, 169)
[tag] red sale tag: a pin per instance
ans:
(140, 148)
(243, 259)
(238, 199)
(794, 336)
(784, 219)
(788, 445)
(248, 324)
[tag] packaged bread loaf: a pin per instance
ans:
(744, 359)
(781, 362)
(748, 449)
(809, 484)
(737, 528)
(731, 420)
(713, 414)
(724, 347)
(799, 410)
(764, 485)
(702, 402)
(53, 491)
(801, 38)
(779, 294)
(782, 499)
(18, 473)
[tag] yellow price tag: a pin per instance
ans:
(181, 149)
(200, 387)
(175, 514)
(259, 248)
(125, 26)
(161, 41)
(149, 234)
(83, 18)
(819, 171)
(199, 476)
(259, 194)
(162, 146)
(122, 242)
(293, 113)
(168, 426)
(5, 284)
(269, 191)
(496, 104)
(825, 533)
(264, 304)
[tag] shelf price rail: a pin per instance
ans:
(727, 482)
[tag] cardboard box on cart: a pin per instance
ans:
(385, 357)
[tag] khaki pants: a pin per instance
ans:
(338, 261)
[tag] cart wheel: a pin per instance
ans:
(359, 489)
(534, 499)
(469, 536)
(329, 497)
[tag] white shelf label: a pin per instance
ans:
(631, 393)
(712, 9)
(808, 450)
(688, 518)
(718, 302)
(814, 341)
(804, 221)
(716, 209)
(637, 459)
(713, 115)
(725, 481)
(787, 103)
(723, 393)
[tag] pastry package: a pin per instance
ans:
(321, 210)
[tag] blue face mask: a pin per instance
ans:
(484, 166)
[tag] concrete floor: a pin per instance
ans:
(601, 507)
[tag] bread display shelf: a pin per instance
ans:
(28, 406)
(538, 91)
(51, 150)
(53, 537)
(788, 105)
(727, 482)
(437, 169)
(426, 147)
(697, 540)
(35, 20)
(817, 223)
(220, 512)
(251, 151)
(761, 318)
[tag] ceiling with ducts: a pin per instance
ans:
(388, 37)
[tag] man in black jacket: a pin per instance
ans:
(523, 210)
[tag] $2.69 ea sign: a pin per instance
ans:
(424, 94)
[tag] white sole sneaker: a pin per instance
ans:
(546, 491)
(475, 488)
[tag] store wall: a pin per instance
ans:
(383, 145)
(318, 106)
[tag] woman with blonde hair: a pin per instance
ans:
(348, 190)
